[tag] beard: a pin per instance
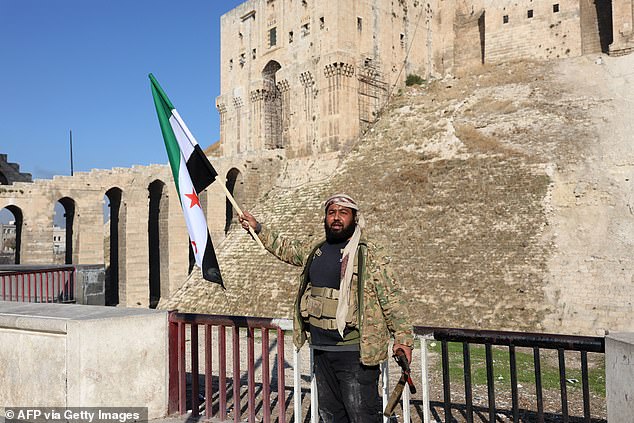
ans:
(340, 235)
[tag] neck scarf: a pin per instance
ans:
(348, 257)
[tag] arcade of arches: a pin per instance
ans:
(130, 220)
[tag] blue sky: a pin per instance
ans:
(82, 65)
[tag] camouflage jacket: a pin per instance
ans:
(382, 305)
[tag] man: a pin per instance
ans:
(349, 305)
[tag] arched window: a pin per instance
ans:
(272, 107)
(11, 220)
(113, 224)
(234, 186)
(65, 214)
(158, 242)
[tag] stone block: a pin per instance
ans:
(66, 355)
(619, 374)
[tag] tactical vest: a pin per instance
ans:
(318, 305)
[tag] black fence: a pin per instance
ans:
(512, 340)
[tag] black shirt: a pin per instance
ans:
(325, 271)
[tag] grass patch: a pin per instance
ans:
(413, 79)
(525, 367)
(477, 140)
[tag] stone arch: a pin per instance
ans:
(272, 107)
(12, 242)
(604, 23)
(158, 238)
(113, 254)
(72, 234)
(235, 187)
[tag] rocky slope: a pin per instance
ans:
(466, 182)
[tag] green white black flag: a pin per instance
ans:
(192, 174)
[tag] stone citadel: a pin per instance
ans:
(468, 194)
(309, 76)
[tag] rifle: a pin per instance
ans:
(406, 378)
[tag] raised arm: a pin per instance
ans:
(289, 251)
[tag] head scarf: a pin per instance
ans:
(348, 257)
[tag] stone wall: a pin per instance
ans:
(86, 193)
(306, 76)
(309, 77)
(622, 20)
(527, 29)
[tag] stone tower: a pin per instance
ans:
(307, 76)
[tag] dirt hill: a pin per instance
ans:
(502, 198)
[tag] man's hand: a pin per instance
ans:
(407, 350)
(247, 219)
(405, 379)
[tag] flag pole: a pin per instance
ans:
(235, 206)
(71, 152)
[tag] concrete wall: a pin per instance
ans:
(619, 374)
(54, 355)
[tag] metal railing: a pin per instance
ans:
(184, 329)
(178, 323)
(38, 285)
(535, 341)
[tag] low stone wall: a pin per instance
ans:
(64, 355)
(619, 376)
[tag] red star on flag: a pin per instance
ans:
(195, 248)
(194, 199)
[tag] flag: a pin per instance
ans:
(192, 174)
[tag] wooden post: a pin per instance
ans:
(235, 206)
